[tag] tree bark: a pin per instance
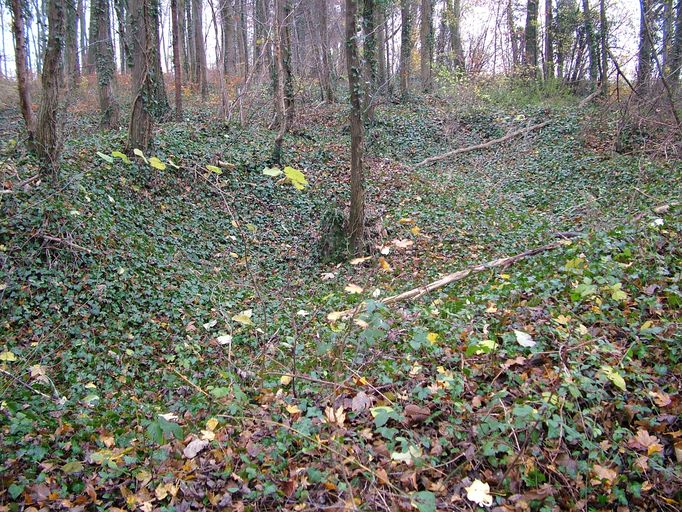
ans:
(229, 54)
(380, 23)
(370, 54)
(549, 42)
(644, 56)
(48, 130)
(71, 60)
(530, 55)
(513, 37)
(426, 42)
(104, 64)
(20, 49)
(356, 221)
(676, 50)
(191, 70)
(202, 80)
(453, 14)
(284, 103)
(177, 68)
(405, 47)
(591, 41)
(121, 9)
(603, 36)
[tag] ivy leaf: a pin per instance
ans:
(296, 177)
(244, 317)
(272, 171)
(616, 378)
(214, 169)
(106, 158)
(139, 153)
(381, 414)
(122, 156)
(72, 467)
(157, 164)
(424, 501)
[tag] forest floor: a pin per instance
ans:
(167, 342)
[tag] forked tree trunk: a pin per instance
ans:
(176, 61)
(426, 41)
(48, 129)
(142, 42)
(356, 222)
(405, 47)
(104, 64)
(23, 86)
(202, 81)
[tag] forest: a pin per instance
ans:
(340, 255)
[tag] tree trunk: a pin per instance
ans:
(142, 46)
(177, 68)
(326, 72)
(260, 21)
(48, 130)
(644, 56)
(603, 35)
(591, 41)
(380, 13)
(356, 222)
(20, 49)
(426, 42)
(202, 81)
(191, 70)
(370, 54)
(229, 54)
(242, 36)
(676, 50)
(121, 9)
(530, 55)
(405, 47)
(549, 42)
(82, 30)
(453, 14)
(104, 64)
(71, 60)
(513, 38)
(283, 84)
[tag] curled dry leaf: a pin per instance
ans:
(194, 447)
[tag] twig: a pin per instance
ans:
(27, 386)
(483, 145)
(65, 242)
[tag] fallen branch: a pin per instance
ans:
(415, 293)
(56, 240)
(589, 98)
(483, 145)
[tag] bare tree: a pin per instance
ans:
(105, 66)
(48, 131)
(356, 222)
(121, 9)
(453, 15)
(20, 50)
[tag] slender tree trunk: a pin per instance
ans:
(644, 62)
(530, 56)
(426, 42)
(48, 130)
(603, 35)
(513, 38)
(191, 70)
(286, 63)
(676, 51)
(380, 13)
(283, 84)
(159, 96)
(202, 81)
(105, 66)
(370, 54)
(177, 68)
(121, 9)
(453, 14)
(326, 72)
(405, 47)
(20, 49)
(82, 29)
(356, 222)
(2, 35)
(260, 21)
(591, 41)
(549, 42)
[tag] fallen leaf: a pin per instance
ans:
(244, 317)
(643, 441)
(361, 402)
(660, 398)
(479, 493)
(357, 261)
(285, 380)
(403, 244)
(194, 447)
(524, 339)
(211, 423)
(353, 288)
(384, 265)
(293, 409)
(225, 340)
(603, 474)
(8, 356)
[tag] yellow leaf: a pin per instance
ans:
(384, 265)
(505, 276)
(432, 337)
(479, 493)
(244, 317)
(335, 316)
(157, 164)
(406, 220)
(207, 435)
(415, 230)
(353, 289)
(293, 409)
(8, 356)
(285, 380)
(211, 424)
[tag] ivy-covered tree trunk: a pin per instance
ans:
(426, 42)
(530, 55)
(202, 81)
(159, 96)
(591, 42)
(20, 51)
(71, 60)
(405, 47)
(326, 71)
(48, 130)
(453, 15)
(370, 54)
(260, 35)
(142, 43)
(191, 70)
(356, 221)
(105, 65)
